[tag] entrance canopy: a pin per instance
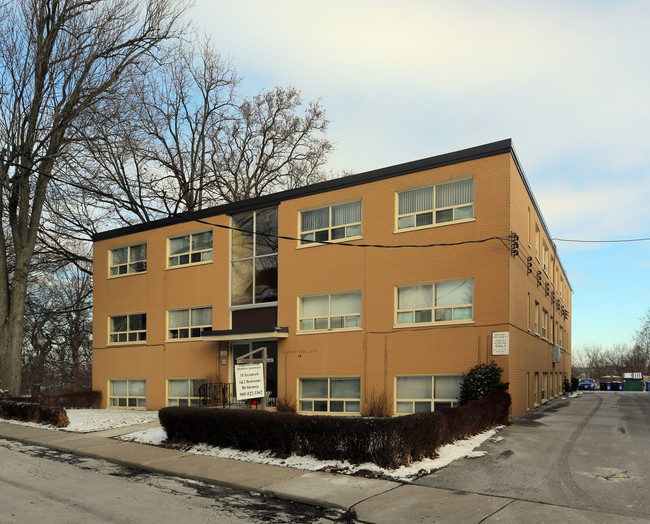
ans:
(263, 333)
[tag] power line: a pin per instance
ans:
(602, 241)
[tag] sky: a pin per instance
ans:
(568, 81)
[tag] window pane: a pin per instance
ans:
(242, 283)
(463, 212)
(413, 201)
(346, 213)
(306, 325)
(405, 222)
(336, 406)
(178, 388)
(118, 324)
(317, 306)
(202, 316)
(447, 387)
(320, 323)
(346, 387)
(424, 219)
(353, 321)
(454, 194)
(242, 242)
(314, 219)
(306, 405)
(266, 279)
(422, 407)
(353, 407)
(313, 388)
(405, 318)
(346, 303)
(320, 405)
(137, 388)
(202, 241)
(138, 252)
(452, 293)
(266, 221)
(446, 215)
(353, 231)
(118, 388)
(405, 407)
(414, 387)
(179, 318)
(337, 322)
(137, 322)
(413, 297)
(423, 316)
(179, 245)
(119, 256)
(443, 315)
(462, 313)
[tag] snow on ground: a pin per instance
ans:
(89, 420)
(446, 455)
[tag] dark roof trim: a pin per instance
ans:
(245, 331)
(465, 155)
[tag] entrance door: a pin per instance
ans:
(241, 348)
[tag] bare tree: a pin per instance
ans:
(59, 60)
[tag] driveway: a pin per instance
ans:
(588, 452)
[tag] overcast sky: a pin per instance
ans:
(569, 82)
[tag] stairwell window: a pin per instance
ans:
(437, 302)
(188, 323)
(330, 312)
(439, 204)
(125, 329)
(331, 223)
(128, 259)
(190, 249)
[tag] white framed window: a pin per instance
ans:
(124, 329)
(560, 336)
(536, 241)
(423, 393)
(544, 323)
(331, 223)
(330, 395)
(544, 385)
(436, 302)
(127, 260)
(330, 312)
(188, 323)
(254, 258)
(190, 249)
(438, 204)
(128, 394)
(545, 265)
(183, 392)
(535, 389)
(536, 317)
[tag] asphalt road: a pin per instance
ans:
(42, 485)
(589, 452)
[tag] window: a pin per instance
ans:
(545, 265)
(536, 241)
(439, 204)
(254, 258)
(328, 312)
(337, 222)
(544, 323)
(535, 386)
(127, 393)
(544, 385)
(189, 323)
(560, 336)
(528, 313)
(190, 249)
(439, 302)
(183, 392)
(536, 317)
(130, 259)
(128, 328)
(426, 393)
(330, 395)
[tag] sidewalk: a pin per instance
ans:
(367, 500)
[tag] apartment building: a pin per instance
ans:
(391, 282)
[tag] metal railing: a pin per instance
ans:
(222, 394)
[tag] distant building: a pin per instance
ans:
(430, 267)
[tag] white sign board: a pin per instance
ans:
(250, 380)
(501, 343)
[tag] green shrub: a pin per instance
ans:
(481, 380)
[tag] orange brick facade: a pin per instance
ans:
(377, 350)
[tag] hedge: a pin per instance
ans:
(34, 412)
(387, 442)
(71, 400)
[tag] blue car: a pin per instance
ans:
(587, 383)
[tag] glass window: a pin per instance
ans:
(254, 258)
(438, 302)
(328, 312)
(127, 328)
(127, 394)
(183, 392)
(188, 323)
(449, 202)
(332, 223)
(190, 249)
(130, 259)
(330, 394)
(414, 394)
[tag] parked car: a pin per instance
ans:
(587, 383)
